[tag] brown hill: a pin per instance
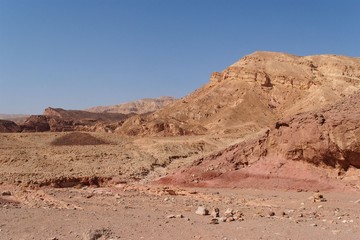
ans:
(308, 150)
(252, 93)
(60, 120)
(77, 138)
(7, 126)
(138, 107)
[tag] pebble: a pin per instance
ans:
(6, 193)
(214, 221)
(170, 216)
(271, 213)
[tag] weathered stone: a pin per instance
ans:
(215, 213)
(202, 211)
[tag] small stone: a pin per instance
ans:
(222, 219)
(313, 225)
(230, 219)
(238, 215)
(271, 213)
(317, 198)
(214, 221)
(179, 216)
(215, 213)
(170, 216)
(6, 193)
(229, 213)
(202, 211)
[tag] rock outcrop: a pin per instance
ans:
(304, 149)
(7, 126)
(253, 92)
(60, 120)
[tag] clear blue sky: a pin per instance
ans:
(80, 53)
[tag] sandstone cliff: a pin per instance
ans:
(252, 94)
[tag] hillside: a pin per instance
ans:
(252, 94)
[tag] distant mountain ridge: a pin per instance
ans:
(140, 106)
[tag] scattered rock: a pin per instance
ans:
(317, 198)
(6, 193)
(214, 221)
(229, 213)
(230, 219)
(179, 216)
(202, 211)
(171, 216)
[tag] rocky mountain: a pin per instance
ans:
(252, 94)
(137, 107)
(60, 120)
(307, 150)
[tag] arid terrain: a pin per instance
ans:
(268, 149)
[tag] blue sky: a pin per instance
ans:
(76, 54)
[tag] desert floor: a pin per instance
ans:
(105, 192)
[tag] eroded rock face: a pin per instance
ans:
(60, 120)
(256, 91)
(308, 149)
(36, 123)
(7, 126)
(330, 136)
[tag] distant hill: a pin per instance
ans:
(138, 107)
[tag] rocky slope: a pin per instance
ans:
(305, 150)
(60, 120)
(252, 94)
(7, 126)
(138, 107)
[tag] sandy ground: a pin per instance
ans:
(143, 212)
(35, 204)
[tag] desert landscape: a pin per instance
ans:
(269, 148)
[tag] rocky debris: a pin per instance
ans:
(202, 211)
(7, 126)
(6, 193)
(317, 198)
(230, 215)
(306, 153)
